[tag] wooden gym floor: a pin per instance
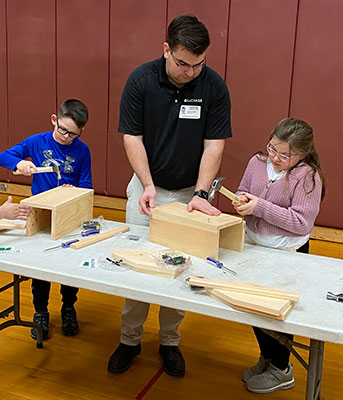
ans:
(75, 368)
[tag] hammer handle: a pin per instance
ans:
(229, 194)
(39, 170)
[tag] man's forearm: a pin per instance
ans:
(138, 159)
(210, 163)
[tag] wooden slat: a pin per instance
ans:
(244, 287)
(98, 238)
(4, 224)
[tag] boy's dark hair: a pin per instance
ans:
(187, 31)
(75, 110)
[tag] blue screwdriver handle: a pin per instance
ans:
(90, 232)
(67, 244)
(214, 262)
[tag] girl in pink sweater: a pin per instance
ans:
(281, 191)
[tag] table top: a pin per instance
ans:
(311, 276)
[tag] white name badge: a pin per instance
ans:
(190, 112)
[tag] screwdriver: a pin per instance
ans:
(220, 265)
(63, 245)
(86, 233)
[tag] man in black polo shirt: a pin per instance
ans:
(175, 117)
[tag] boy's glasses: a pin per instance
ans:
(184, 66)
(273, 152)
(64, 131)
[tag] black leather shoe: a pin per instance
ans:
(173, 362)
(121, 359)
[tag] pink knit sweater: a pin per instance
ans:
(284, 208)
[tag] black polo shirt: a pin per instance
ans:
(174, 121)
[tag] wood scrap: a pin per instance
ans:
(4, 224)
(141, 261)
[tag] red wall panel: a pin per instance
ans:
(317, 94)
(82, 71)
(31, 67)
(3, 85)
(215, 19)
(259, 69)
(137, 35)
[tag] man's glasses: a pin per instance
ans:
(273, 152)
(64, 131)
(184, 66)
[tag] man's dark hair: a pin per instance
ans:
(75, 110)
(187, 31)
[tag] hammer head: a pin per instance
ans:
(56, 168)
(216, 185)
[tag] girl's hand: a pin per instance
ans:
(243, 199)
(247, 208)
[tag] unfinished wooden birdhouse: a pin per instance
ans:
(194, 232)
(62, 208)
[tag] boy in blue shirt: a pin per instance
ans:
(63, 145)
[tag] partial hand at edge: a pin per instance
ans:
(10, 210)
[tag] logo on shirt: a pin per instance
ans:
(68, 169)
(192, 100)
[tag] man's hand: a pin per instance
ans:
(25, 166)
(12, 210)
(197, 203)
(247, 208)
(147, 200)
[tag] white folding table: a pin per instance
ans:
(311, 276)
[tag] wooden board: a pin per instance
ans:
(5, 224)
(267, 305)
(141, 261)
(56, 197)
(192, 240)
(282, 316)
(98, 237)
(177, 213)
(244, 287)
(195, 233)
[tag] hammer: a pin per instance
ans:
(54, 168)
(217, 186)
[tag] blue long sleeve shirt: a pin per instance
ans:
(74, 159)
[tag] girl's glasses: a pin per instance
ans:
(273, 152)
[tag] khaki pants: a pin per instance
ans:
(135, 312)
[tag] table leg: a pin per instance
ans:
(15, 308)
(314, 376)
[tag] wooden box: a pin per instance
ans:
(195, 233)
(62, 208)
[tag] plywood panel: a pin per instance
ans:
(137, 34)
(82, 71)
(317, 92)
(31, 69)
(259, 69)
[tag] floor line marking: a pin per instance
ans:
(149, 385)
